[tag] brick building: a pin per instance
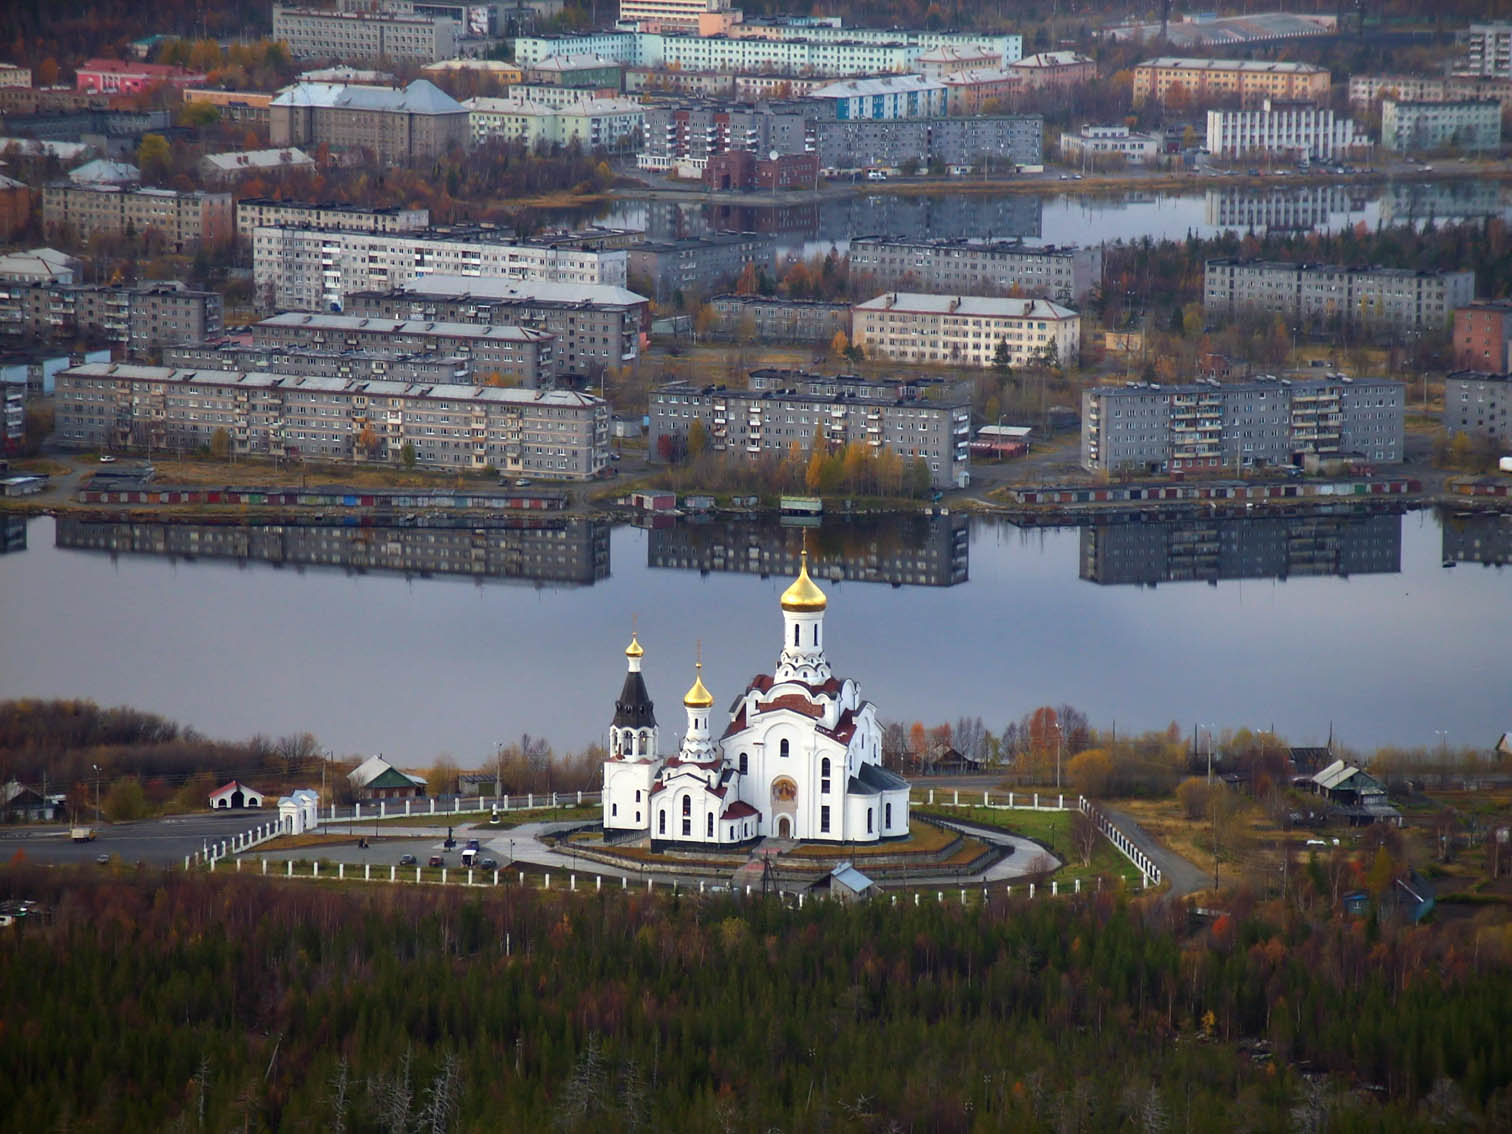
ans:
(1483, 336)
(771, 318)
(184, 220)
(416, 123)
(1240, 82)
(114, 76)
(141, 319)
(741, 169)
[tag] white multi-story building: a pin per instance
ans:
(1094, 142)
(1284, 129)
(965, 330)
(1489, 49)
(1045, 271)
(1367, 90)
(1469, 124)
(592, 123)
(309, 269)
(253, 213)
(549, 433)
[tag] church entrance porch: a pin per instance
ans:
(784, 827)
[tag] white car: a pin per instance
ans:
(106, 459)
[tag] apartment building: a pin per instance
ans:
(184, 221)
(1054, 70)
(1366, 91)
(141, 319)
(944, 61)
(1472, 125)
(417, 123)
(596, 326)
(14, 75)
(1287, 129)
(541, 433)
(1003, 140)
(965, 330)
(614, 124)
(756, 424)
(702, 265)
(323, 33)
(577, 72)
(676, 132)
(771, 318)
(1478, 402)
(972, 92)
(1199, 83)
(884, 97)
(1323, 294)
(1488, 50)
(310, 269)
(971, 266)
(1483, 336)
(522, 356)
(695, 17)
(1210, 426)
(383, 365)
(247, 108)
(253, 213)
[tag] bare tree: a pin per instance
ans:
(443, 1098)
(1084, 836)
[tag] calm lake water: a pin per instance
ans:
(379, 640)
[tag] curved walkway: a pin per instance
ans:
(1184, 876)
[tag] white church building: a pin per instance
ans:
(799, 757)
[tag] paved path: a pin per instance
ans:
(1184, 877)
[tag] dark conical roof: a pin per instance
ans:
(634, 709)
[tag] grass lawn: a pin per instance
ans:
(473, 820)
(1051, 830)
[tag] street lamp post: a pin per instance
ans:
(1210, 727)
(1060, 744)
(1443, 735)
(96, 768)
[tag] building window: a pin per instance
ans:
(687, 805)
(824, 773)
(687, 828)
(637, 795)
(744, 765)
(711, 824)
(661, 822)
(613, 809)
(795, 635)
(782, 749)
(868, 820)
(887, 815)
(824, 824)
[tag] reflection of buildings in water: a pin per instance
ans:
(925, 551)
(1266, 547)
(558, 552)
(1300, 208)
(834, 220)
(1405, 201)
(1481, 538)
(12, 533)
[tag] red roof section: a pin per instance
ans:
(123, 67)
(740, 809)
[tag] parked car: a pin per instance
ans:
(436, 860)
(472, 844)
(488, 864)
(106, 459)
(103, 859)
(406, 860)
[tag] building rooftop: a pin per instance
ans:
(562, 63)
(420, 97)
(103, 171)
(967, 305)
(688, 243)
(975, 243)
(124, 67)
(524, 290)
(368, 325)
(883, 85)
(250, 160)
(1289, 266)
(378, 388)
(1257, 66)
(327, 206)
(1051, 59)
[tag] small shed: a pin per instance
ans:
(850, 885)
(234, 795)
(291, 816)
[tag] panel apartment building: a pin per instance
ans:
(140, 319)
(702, 264)
(1210, 426)
(1473, 125)
(970, 266)
(596, 326)
(1489, 49)
(323, 33)
(1366, 91)
(311, 269)
(253, 213)
(523, 356)
(184, 221)
(1289, 129)
(964, 330)
(1477, 402)
(541, 433)
(1323, 294)
(1245, 82)
(750, 424)
(384, 365)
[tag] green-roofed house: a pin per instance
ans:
(376, 778)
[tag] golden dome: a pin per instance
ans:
(804, 594)
(634, 650)
(698, 697)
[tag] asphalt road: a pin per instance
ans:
(157, 842)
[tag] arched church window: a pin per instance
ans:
(868, 820)
(661, 822)
(824, 776)
(824, 766)
(887, 815)
(795, 635)
(687, 805)
(816, 633)
(744, 764)
(711, 824)
(783, 748)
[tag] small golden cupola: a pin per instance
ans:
(698, 697)
(634, 649)
(804, 595)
